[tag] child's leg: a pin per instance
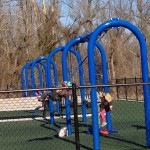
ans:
(99, 121)
(44, 111)
(102, 115)
(37, 108)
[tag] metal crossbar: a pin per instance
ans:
(78, 87)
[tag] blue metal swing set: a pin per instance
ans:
(91, 40)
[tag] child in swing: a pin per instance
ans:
(55, 95)
(105, 106)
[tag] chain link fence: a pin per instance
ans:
(128, 120)
(24, 129)
(130, 92)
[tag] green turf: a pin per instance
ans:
(127, 118)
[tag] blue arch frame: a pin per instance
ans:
(25, 68)
(55, 76)
(32, 70)
(49, 58)
(45, 67)
(68, 118)
(49, 82)
(144, 61)
(25, 79)
(82, 91)
(65, 71)
(38, 60)
(82, 39)
(75, 41)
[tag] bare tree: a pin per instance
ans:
(31, 28)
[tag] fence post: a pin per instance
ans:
(136, 89)
(117, 89)
(125, 81)
(75, 109)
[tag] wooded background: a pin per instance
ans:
(33, 28)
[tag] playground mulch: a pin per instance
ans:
(37, 134)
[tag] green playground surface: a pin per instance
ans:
(38, 134)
